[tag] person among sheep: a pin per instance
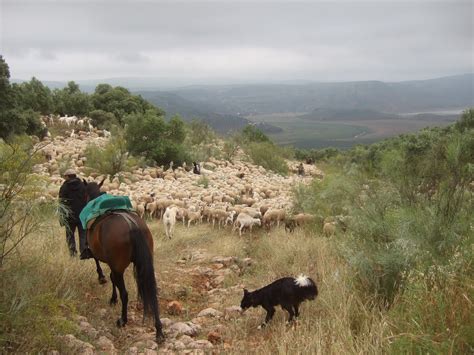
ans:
(301, 169)
(72, 195)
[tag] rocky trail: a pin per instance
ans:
(195, 313)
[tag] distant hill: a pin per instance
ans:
(224, 107)
(409, 96)
(173, 104)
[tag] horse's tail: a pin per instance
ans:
(145, 273)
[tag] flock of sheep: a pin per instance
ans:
(237, 195)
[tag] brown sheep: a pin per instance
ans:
(303, 218)
(273, 215)
(329, 229)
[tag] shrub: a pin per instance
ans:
(267, 155)
(112, 159)
(200, 133)
(102, 119)
(19, 192)
(252, 134)
(15, 122)
(466, 121)
(203, 181)
(230, 149)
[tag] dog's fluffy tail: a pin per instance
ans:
(303, 281)
(308, 285)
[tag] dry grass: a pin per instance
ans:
(48, 286)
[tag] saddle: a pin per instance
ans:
(87, 253)
(101, 205)
(124, 213)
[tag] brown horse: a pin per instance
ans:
(121, 239)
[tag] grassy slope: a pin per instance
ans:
(43, 284)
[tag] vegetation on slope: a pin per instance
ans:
(399, 279)
(410, 238)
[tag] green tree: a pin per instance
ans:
(15, 120)
(148, 135)
(176, 129)
(119, 101)
(6, 102)
(71, 101)
(33, 95)
(103, 119)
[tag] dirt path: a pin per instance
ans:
(195, 312)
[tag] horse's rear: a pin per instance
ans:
(112, 242)
(118, 240)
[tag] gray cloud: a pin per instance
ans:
(260, 40)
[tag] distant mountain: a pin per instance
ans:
(224, 107)
(173, 104)
(409, 96)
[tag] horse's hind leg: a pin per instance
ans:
(119, 282)
(102, 279)
(113, 299)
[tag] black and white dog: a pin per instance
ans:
(288, 292)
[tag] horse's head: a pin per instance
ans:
(92, 189)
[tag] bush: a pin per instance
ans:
(231, 146)
(20, 215)
(466, 121)
(267, 155)
(15, 122)
(252, 134)
(203, 181)
(409, 239)
(200, 133)
(102, 119)
(112, 159)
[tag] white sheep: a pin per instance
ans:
(169, 220)
(230, 218)
(244, 220)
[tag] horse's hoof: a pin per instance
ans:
(113, 301)
(102, 280)
(160, 339)
(121, 323)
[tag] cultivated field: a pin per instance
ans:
(303, 133)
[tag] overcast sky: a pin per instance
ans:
(232, 40)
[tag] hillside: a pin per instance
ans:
(173, 104)
(410, 96)
(382, 229)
